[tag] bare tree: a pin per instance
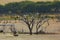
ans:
(29, 20)
(40, 21)
(13, 30)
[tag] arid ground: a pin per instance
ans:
(53, 27)
(30, 37)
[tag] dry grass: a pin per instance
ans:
(19, 25)
(30, 37)
(53, 27)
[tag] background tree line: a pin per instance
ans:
(26, 7)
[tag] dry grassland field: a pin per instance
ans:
(29, 37)
(53, 27)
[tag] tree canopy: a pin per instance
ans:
(26, 7)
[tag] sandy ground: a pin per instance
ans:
(20, 25)
(53, 27)
(30, 37)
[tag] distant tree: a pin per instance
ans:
(29, 20)
(26, 7)
(34, 19)
(40, 21)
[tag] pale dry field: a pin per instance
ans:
(53, 27)
(30, 37)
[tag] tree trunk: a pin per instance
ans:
(30, 32)
(30, 29)
(36, 31)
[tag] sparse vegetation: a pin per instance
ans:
(30, 13)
